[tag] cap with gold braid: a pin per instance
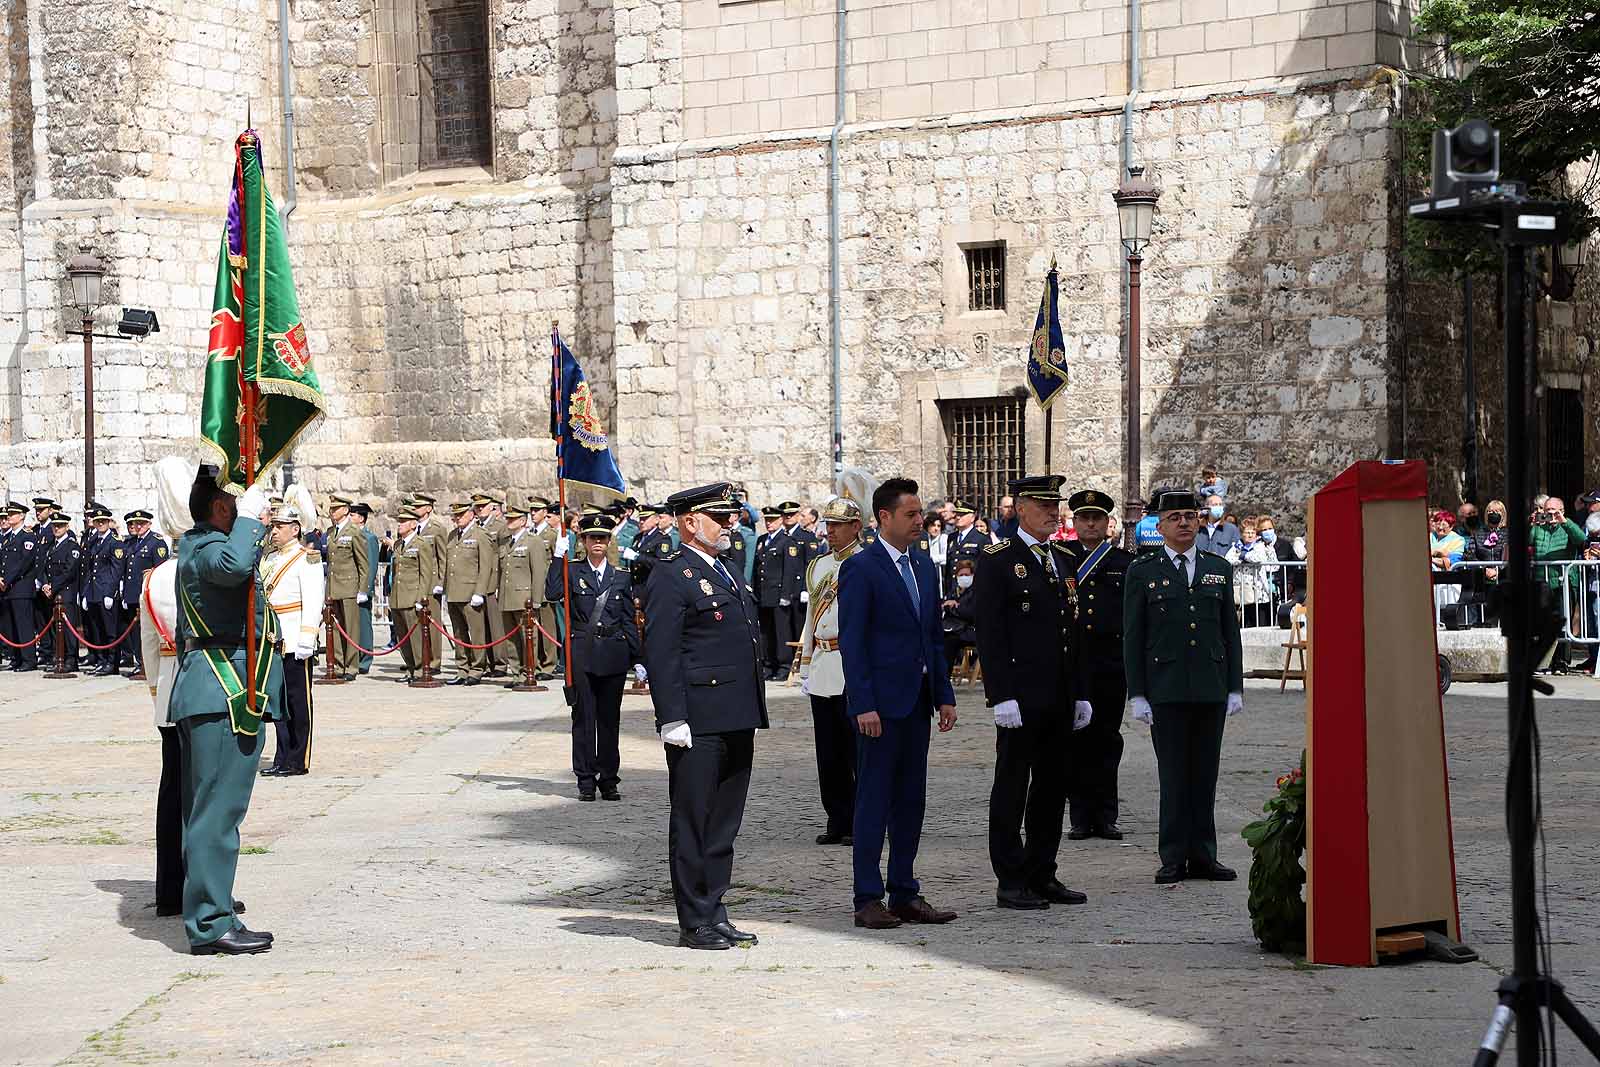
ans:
(1091, 500)
(1045, 488)
(713, 499)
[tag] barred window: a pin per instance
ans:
(986, 276)
(453, 82)
(986, 447)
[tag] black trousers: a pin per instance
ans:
(293, 729)
(94, 631)
(169, 825)
(69, 608)
(102, 630)
(596, 722)
(708, 784)
(1096, 754)
(1030, 792)
(836, 761)
(791, 621)
(1188, 743)
(132, 649)
(20, 629)
(770, 657)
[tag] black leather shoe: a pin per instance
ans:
(1079, 833)
(1110, 832)
(473, 681)
(586, 795)
(267, 934)
(274, 772)
(610, 794)
(1056, 893)
(1020, 900)
(705, 937)
(831, 839)
(1214, 872)
(458, 680)
(238, 909)
(1169, 873)
(233, 943)
(734, 934)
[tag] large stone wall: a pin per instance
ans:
(1267, 309)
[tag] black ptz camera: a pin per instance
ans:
(1470, 152)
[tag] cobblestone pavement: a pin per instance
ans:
(439, 896)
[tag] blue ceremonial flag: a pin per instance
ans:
(1047, 355)
(583, 449)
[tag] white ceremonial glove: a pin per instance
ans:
(1008, 715)
(1299, 548)
(83, 603)
(305, 652)
(805, 685)
(561, 545)
(783, 602)
(361, 598)
(476, 601)
(1082, 712)
(640, 675)
(1235, 704)
(805, 597)
(629, 554)
(107, 603)
(438, 590)
(677, 733)
(1141, 710)
(417, 606)
(253, 503)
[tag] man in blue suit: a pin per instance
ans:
(895, 672)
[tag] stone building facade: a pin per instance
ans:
(654, 177)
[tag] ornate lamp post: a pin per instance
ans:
(1136, 211)
(88, 275)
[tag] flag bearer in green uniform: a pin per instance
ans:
(1185, 668)
(219, 735)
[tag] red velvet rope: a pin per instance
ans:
(35, 641)
(90, 644)
(371, 652)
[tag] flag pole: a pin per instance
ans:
(247, 422)
(559, 402)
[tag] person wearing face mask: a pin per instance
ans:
(1216, 535)
(822, 671)
(1252, 582)
(702, 643)
(960, 613)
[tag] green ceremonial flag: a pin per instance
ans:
(258, 347)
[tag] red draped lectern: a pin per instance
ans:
(1379, 856)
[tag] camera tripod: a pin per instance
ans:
(1531, 625)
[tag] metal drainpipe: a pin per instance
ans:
(836, 328)
(290, 198)
(285, 89)
(1135, 82)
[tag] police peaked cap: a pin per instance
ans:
(713, 499)
(61, 518)
(1091, 500)
(16, 508)
(138, 515)
(598, 525)
(1045, 488)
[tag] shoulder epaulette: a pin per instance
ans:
(313, 556)
(998, 546)
(672, 557)
(1061, 546)
(1141, 557)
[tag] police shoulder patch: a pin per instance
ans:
(998, 546)
(161, 550)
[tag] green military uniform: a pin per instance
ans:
(348, 576)
(219, 736)
(468, 565)
(414, 571)
(520, 562)
(434, 531)
(1182, 653)
(366, 637)
(494, 528)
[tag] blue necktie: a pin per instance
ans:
(910, 580)
(726, 577)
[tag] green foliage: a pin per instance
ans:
(1529, 71)
(1277, 911)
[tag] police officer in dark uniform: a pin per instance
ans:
(143, 551)
(605, 644)
(653, 546)
(799, 546)
(1100, 567)
(62, 571)
(101, 585)
(1027, 612)
(768, 588)
(703, 649)
(19, 571)
(1185, 668)
(44, 508)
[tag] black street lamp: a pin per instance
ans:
(88, 276)
(1136, 211)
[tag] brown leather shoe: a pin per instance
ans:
(875, 916)
(918, 910)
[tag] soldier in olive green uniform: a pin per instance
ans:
(546, 532)
(487, 509)
(468, 565)
(414, 571)
(520, 553)
(1185, 668)
(218, 733)
(348, 577)
(433, 531)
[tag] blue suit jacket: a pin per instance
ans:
(888, 643)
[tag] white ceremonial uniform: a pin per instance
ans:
(295, 590)
(821, 664)
(158, 622)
